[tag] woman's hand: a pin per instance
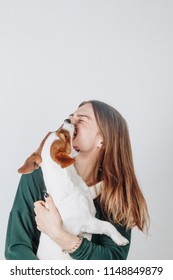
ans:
(48, 218)
(49, 221)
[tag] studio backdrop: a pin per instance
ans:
(55, 54)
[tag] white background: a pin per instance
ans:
(55, 54)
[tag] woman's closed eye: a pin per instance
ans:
(80, 121)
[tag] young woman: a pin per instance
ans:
(105, 155)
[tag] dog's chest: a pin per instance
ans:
(70, 195)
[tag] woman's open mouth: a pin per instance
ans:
(74, 136)
(75, 133)
(76, 148)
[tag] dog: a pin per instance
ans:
(73, 198)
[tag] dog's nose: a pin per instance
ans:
(67, 120)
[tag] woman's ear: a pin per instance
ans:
(100, 142)
(99, 145)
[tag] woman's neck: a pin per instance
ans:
(84, 165)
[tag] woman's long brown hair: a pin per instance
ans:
(121, 197)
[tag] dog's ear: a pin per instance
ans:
(63, 159)
(32, 163)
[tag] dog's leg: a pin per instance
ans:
(96, 226)
(90, 224)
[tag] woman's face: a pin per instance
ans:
(88, 137)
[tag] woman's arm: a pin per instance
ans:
(22, 236)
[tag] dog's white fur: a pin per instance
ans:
(74, 201)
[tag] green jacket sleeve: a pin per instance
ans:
(22, 236)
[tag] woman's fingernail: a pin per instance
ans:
(46, 194)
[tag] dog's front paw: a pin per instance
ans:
(120, 240)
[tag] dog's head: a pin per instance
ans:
(61, 149)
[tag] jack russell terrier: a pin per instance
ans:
(73, 198)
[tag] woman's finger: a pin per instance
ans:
(39, 206)
(49, 202)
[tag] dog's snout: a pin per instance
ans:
(67, 120)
